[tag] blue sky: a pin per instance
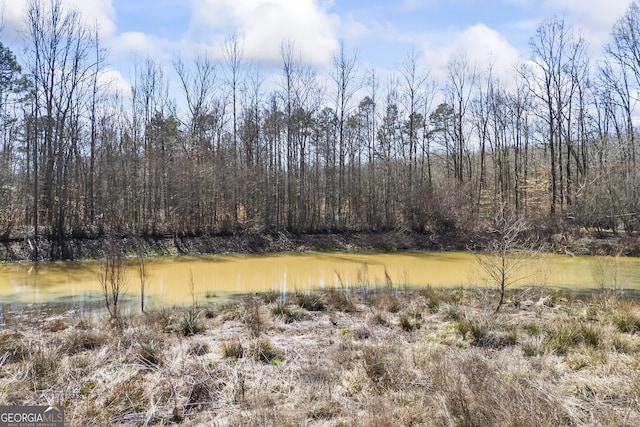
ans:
(383, 32)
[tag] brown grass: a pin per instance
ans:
(436, 358)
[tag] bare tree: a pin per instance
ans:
(112, 278)
(343, 74)
(558, 55)
(506, 261)
(141, 267)
(62, 65)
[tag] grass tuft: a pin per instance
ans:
(286, 314)
(265, 352)
(232, 350)
(310, 301)
(190, 322)
(252, 315)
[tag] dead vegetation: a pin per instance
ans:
(391, 357)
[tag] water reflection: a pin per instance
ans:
(74, 285)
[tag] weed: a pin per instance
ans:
(252, 316)
(190, 322)
(210, 294)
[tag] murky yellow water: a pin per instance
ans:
(169, 279)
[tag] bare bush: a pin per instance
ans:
(505, 260)
(113, 279)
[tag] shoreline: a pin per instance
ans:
(247, 242)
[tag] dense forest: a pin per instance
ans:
(231, 150)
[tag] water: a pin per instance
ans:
(170, 281)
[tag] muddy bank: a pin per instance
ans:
(240, 243)
(245, 242)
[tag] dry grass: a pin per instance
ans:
(430, 358)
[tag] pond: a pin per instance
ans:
(180, 281)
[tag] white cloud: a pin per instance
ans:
(266, 24)
(92, 12)
(480, 44)
(113, 80)
(140, 43)
(595, 16)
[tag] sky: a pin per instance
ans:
(382, 32)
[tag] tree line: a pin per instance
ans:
(79, 158)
